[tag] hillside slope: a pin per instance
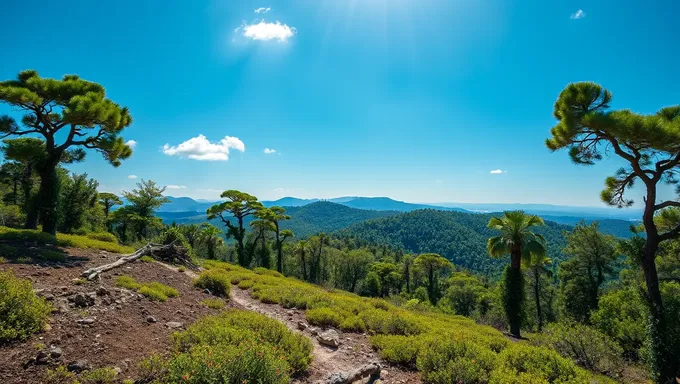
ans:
(460, 237)
(307, 220)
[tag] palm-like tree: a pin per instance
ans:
(517, 240)
(300, 250)
(211, 236)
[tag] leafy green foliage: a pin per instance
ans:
(587, 346)
(22, 312)
(79, 194)
(214, 303)
(104, 375)
(215, 281)
(459, 237)
(153, 291)
(323, 317)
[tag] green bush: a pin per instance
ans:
(128, 282)
(103, 236)
(164, 289)
(249, 362)
(213, 303)
(216, 281)
(527, 364)
(246, 330)
(246, 284)
(458, 360)
(587, 346)
(98, 376)
(152, 294)
(60, 375)
(22, 312)
(147, 259)
(353, 324)
(152, 369)
(398, 349)
(323, 317)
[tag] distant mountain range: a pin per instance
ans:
(613, 221)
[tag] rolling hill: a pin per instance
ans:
(307, 220)
(458, 236)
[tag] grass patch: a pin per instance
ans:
(213, 303)
(98, 376)
(246, 284)
(444, 348)
(63, 240)
(181, 269)
(153, 291)
(216, 281)
(22, 312)
(80, 281)
(147, 259)
(102, 236)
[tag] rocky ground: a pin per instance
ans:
(96, 324)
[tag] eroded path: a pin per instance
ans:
(354, 351)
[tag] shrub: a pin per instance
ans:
(77, 241)
(213, 303)
(527, 364)
(353, 324)
(98, 376)
(323, 317)
(164, 289)
(60, 375)
(152, 294)
(398, 349)
(459, 359)
(622, 314)
(128, 282)
(181, 268)
(152, 369)
(22, 312)
(585, 345)
(246, 284)
(103, 236)
(147, 259)
(248, 362)
(214, 280)
(247, 329)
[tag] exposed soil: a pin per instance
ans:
(120, 335)
(122, 327)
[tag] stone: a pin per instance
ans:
(314, 331)
(82, 300)
(86, 321)
(302, 325)
(102, 291)
(78, 366)
(329, 338)
(207, 291)
(48, 297)
(42, 357)
(369, 370)
(55, 352)
(150, 319)
(173, 324)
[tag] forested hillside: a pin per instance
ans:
(305, 221)
(460, 237)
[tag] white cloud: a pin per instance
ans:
(172, 186)
(132, 177)
(269, 151)
(263, 10)
(131, 143)
(200, 148)
(267, 31)
(578, 15)
(497, 171)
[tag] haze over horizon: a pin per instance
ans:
(422, 101)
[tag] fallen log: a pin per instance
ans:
(169, 253)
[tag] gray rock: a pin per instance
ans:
(302, 325)
(330, 338)
(82, 300)
(151, 319)
(42, 357)
(314, 331)
(369, 370)
(55, 352)
(102, 291)
(78, 366)
(173, 324)
(86, 321)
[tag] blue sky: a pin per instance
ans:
(416, 100)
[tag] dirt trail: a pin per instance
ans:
(354, 351)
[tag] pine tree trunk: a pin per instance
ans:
(537, 297)
(47, 198)
(515, 292)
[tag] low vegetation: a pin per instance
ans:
(153, 291)
(444, 348)
(232, 347)
(216, 281)
(214, 303)
(62, 240)
(22, 312)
